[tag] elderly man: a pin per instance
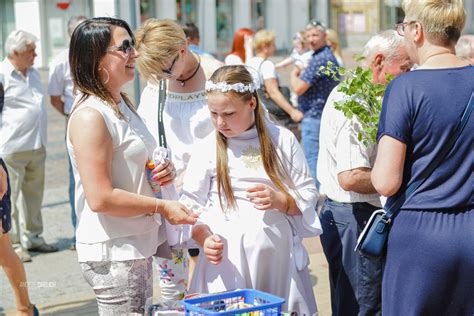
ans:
(344, 168)
(60, 89)
(313, 89)
(23, 141)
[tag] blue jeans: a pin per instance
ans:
(310, 141)
(355, 281)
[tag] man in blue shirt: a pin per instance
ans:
(313, 88)
(192, 35)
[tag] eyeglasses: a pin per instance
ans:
(400, 27)
(126, 47)
(316, 23)
(169, 72)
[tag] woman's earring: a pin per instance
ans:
(107, 73)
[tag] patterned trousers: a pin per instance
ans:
(173, 277)
(121, 287)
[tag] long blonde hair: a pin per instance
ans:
(272, 163)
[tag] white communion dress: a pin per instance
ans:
(262, 249)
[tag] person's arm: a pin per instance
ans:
(248, 47)
(285, 62)
(299, 86)
(387, 174)
(356, 180)
(58, 103)
(93, 151)
(3, 182)
(271, 85)
(211, 243)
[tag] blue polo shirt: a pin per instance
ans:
(311, 103)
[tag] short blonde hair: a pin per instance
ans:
(442, 20)
(263, 38)
(158, 42)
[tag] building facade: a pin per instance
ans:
(354, 20)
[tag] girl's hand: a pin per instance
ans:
(176, 213)
(213, 248)
(266, 198)
(164, 173)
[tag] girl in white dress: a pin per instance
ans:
(253, 179)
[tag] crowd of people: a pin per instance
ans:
(253, 159)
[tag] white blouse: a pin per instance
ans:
(186, 120)
(102, 237)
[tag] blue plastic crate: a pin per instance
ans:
(230, 303)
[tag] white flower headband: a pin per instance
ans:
(237, 87)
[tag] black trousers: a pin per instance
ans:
(355, 281)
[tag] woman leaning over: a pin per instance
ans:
(118, 219)
(174, 75)
(430, 253)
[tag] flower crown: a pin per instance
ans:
(237, 87)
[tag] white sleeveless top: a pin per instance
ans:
(102, 237)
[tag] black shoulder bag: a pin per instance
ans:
(373, 239)
(271, 106)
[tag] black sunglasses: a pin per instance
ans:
(168, 72)
(125, 47)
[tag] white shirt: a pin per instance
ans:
(266, 67)
(186, 119)
(60, 81)
(102, 237)
(339, 150)
(232, 59)
(23, 121)
(301, 60)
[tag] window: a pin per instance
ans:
(224, 29)
(186, 11)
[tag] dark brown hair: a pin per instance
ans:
(89, 43)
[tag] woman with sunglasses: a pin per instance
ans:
(164, 55)
(429, 267)
(119, 219)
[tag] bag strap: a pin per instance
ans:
(395, 208)
(260, 77)
(161, 107)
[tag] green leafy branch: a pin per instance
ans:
(364, 98)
